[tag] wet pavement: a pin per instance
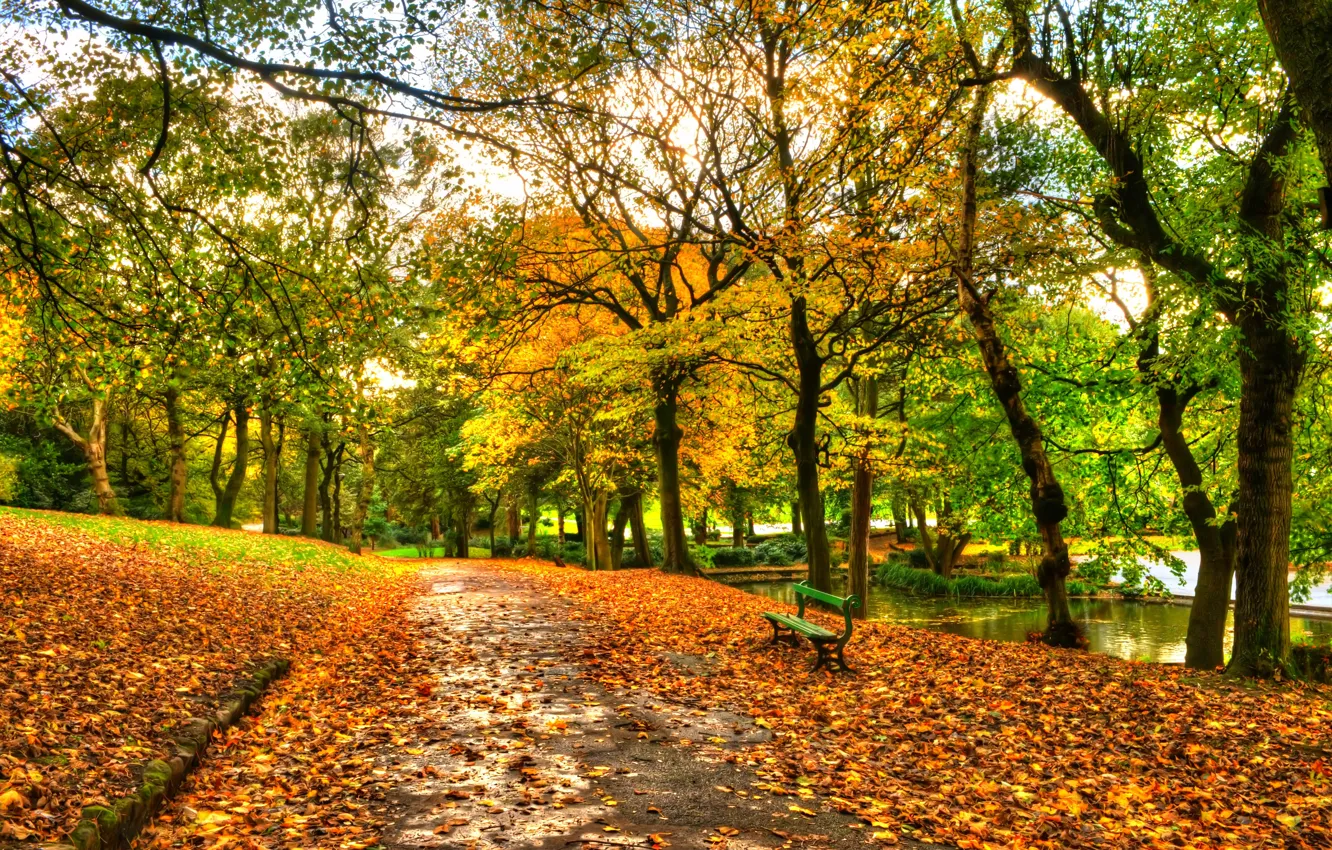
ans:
(528, 751)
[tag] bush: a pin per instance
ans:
(772, 553)
(733, 557)
(703, 555)
(995, 559)
(410, 536)
(503, 548)
(9, 478)
(790, 546)
(928, 583)
(917, 559)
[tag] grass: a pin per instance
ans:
(927, 583)
(434, 552)
(213, 544)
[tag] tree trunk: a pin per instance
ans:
(796, 526)
(899, 519)
(738, 528)
(366, 490)
(1301, 32)
(337, 495)
(638, 531)
(941, 548)
(464, 520)
(269, 446)
(803, 441)
(1270, 365)
(1047, 497)
(434, 527)
(559, 523)
(494, 509)
(329, 470)
(701, 529)
(93, 448)
(622, 511)
(666, 444)
(862, 500)
(215, 472)
(226, 505)
(513, 519)
(310, 497)
(594, 531)
(176, 443)
(532, 509)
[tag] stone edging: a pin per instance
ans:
(114, 827)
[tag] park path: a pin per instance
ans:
(531, 752)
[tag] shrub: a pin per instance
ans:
(772, 553)
(9, 478)
(503, 548)
(995, 559)
(733, 557)
(703, 555)
(925, 582)
(918, 559)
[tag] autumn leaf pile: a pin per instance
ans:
(979, 743)
(115, 631)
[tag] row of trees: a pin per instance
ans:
(762, 255)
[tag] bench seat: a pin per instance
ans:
(804, 627)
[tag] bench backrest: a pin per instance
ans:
(845, 604)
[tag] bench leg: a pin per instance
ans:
(822, 649)
(841, 660)
(776, 635)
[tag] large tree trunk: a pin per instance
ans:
(93, 448)
(1270, 365)
(666, 443)
(269, 445)
(803, 441)
(1047, 497)
(366, 490)
(226, 505)
(1301, 32)
(796, 526)
(310, 496)
(176, 445)
(862, 501)
(701, 529)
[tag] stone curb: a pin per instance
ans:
(114, 827)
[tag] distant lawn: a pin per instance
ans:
(218, 545)
(435, 552)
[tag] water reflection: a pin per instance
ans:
(1143, 631)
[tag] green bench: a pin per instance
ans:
(785, 627)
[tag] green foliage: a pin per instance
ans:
(927, 583)
(9, 477)
(732, 557)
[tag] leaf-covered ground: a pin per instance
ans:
(115, 631)
(979, 743)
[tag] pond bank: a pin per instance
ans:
(1138, 631)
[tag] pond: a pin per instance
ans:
(1140, 631)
